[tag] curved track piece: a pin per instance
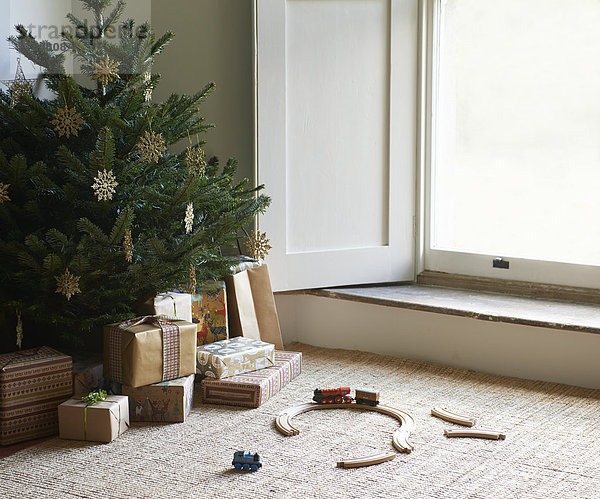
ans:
(475, 433)
(399, 439)
(382, 457)
(453, 417)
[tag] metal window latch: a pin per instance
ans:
(500, 263)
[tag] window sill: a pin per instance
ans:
(474, 304)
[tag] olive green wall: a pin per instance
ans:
(213, 42)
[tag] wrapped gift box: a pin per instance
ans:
(88, 376)
(254, 388)
(32, 385)
(226, 358)
(149, 350)
(209, 311)
(165, 401)
(173, 305)
(100, 422)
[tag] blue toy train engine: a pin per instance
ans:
(246, 461)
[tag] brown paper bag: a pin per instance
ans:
(251, 306)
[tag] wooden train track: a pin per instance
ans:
(475, 433)
(382, 457)
(399, 438)
(453, 417)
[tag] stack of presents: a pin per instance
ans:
(223, 340)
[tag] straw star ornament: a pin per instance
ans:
(105, 71)
(67, 121)
(67, 284)
(258, 245)
(20, 86)
(151, 147)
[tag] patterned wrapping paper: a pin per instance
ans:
(254, 388)
(169, 401)
(100, 422)
(141, 353)
(227, 358)
(88, 376)
(209, 311)
(32, 385)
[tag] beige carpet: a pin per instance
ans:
(552, 447)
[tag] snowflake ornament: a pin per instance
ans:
(67, 121)
(68, 284)
(189, 218)
(104, 185)
(258, 245)
(151, 147)
(128, 246)
(105, 71)
(4, 192)
(195, 159)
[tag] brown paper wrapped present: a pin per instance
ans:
(169, 401)
(100, 422)
(149, 350)
(32, 385)
(226, 358)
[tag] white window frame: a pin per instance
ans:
(455, 262)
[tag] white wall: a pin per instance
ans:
(494, 347)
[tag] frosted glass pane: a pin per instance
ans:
(517, 147)
(337, 113)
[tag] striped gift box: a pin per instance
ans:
(33, 383)
(254, 388)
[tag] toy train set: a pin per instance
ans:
(342, 396)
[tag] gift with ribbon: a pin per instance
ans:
(96, 417)
(148, 350)
(175, 305)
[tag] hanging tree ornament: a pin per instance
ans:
(67, 121)
(258, 245)
(67, 284)
(192, 278)
(4, 192)
(20, 86)
(128, 246)
(151, 147)
(195, 159)
(105, 71)
(104, 185)
(19, 330)
(148, 90)
(189, 218)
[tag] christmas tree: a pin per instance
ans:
(96, 212)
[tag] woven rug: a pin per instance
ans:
(552, 448)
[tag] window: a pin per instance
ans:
(513, 163)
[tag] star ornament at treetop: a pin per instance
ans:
(67, 121)
(104, 185)
(20, 86)
(258, 245)
(105, 71)
(67, 284)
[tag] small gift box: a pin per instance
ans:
(254, 388)
(226, 358)
(101, 421)
(32, 385)
(149, 350)
(173, 305)
(209, 311)
(169, 401)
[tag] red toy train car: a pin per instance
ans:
(333, 396)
